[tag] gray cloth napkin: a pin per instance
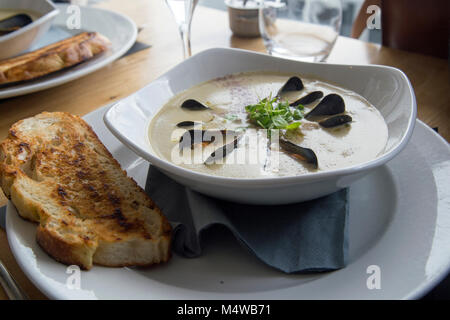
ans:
(304, 237)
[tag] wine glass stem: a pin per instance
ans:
(185, 32)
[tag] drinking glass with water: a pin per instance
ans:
(304, 30)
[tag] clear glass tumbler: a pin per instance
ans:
(303, 30)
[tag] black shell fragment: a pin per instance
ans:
(293, 84)
(330, 105)
(223, 151)
(187, 123)
(194, 136)
(309, 98)
(193, 105)
(336, 121)
(14, 23)
(304, 154)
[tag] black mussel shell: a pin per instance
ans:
(187, 123)
(330, 105)
(336, 121)
(309, 98)
(194, 136)
(223, 151)
(14, 23)
(293, 84)
(194, 105)
(304, 154)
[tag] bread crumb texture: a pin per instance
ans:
(57, 173)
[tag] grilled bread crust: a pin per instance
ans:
(54, 57)
(56, 171)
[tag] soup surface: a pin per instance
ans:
(253, 154)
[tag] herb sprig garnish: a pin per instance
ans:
(270, 113)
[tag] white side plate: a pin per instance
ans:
(399, 221)
(119, 29)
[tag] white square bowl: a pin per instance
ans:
(387, 88)
(18, 41)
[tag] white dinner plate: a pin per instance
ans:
(119, 29)
(399, 222)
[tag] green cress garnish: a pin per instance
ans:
(269, 113)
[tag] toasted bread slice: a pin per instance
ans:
(57, 173)
(54, 57)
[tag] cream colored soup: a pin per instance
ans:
(359, 141)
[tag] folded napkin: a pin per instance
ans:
(303, 237)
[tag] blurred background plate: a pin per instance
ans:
(118, 28)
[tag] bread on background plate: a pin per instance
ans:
(57, 173)
(54, 57)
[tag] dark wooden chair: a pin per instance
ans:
(412, 25)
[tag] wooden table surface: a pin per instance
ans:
(429, 77)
